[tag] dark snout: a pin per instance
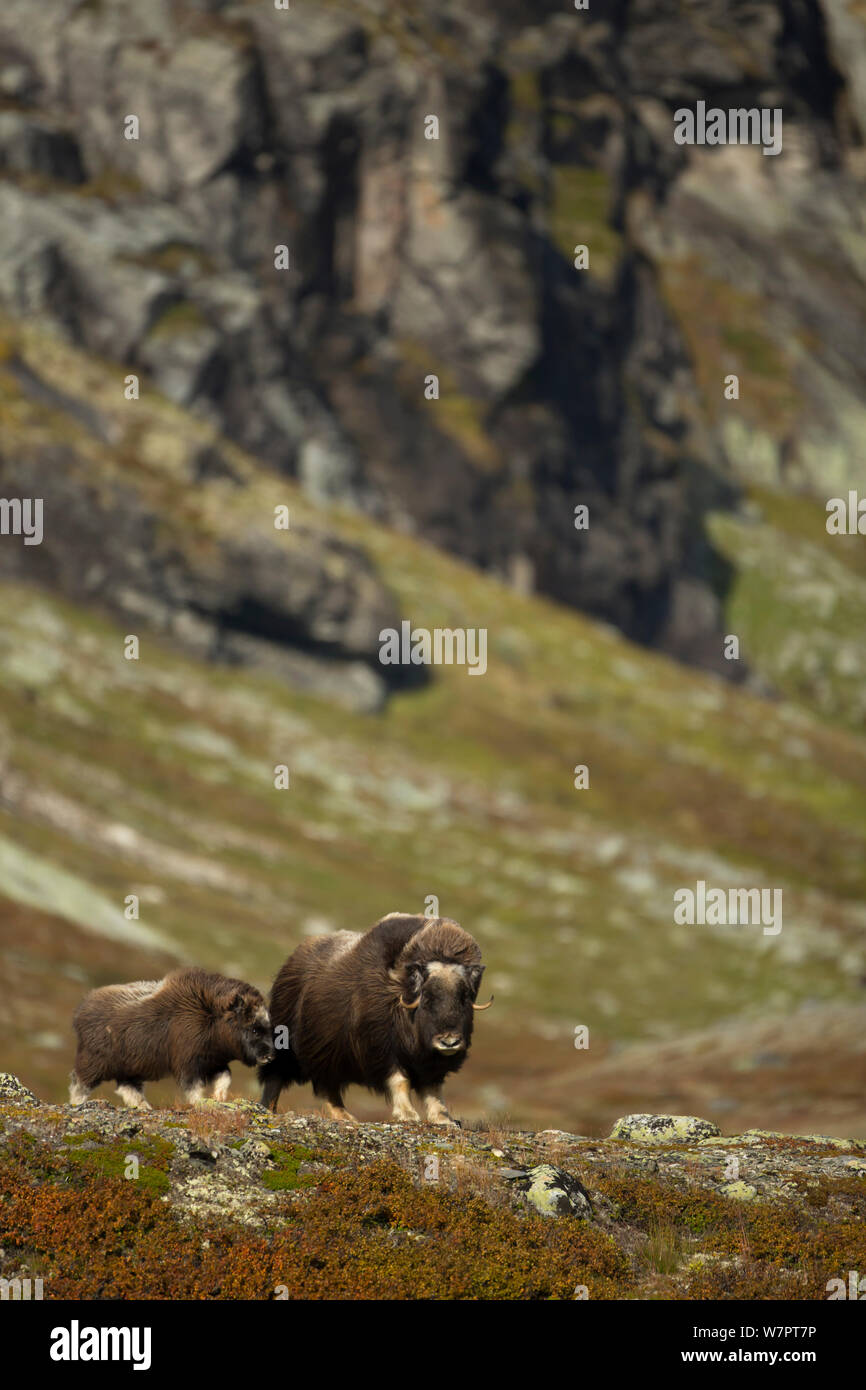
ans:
(259, 1044)
(449, 1042)
(262, 1050)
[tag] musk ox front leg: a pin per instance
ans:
(272, 1086)
(193, 1091)
(78, 1092)
(398, 1094)
(131, 1092)
(222, 1085)
(437, 1111)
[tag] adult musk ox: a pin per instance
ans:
(390, 1009)
(189, 1025)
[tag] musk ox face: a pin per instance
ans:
(443, 996)
(248, 1018)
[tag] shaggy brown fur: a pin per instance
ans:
(189, 1025)
(339, 997)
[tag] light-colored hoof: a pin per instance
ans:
(334, 1112)
(78, 1092)
(133, 1100)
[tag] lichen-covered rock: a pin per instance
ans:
(553, 1192)
(663, 1128)
(804, 1138)
(739, 1191)
(645, 1162)
(11, 1090)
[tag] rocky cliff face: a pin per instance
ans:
(409, 257)
(232, 1202)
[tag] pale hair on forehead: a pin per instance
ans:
(441, 967)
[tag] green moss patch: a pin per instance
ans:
(96, 1157)
(285, 1177)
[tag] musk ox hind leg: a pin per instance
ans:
(131, 1092)
(437, 1111)
(398, 1094)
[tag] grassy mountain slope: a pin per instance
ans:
(156, 778)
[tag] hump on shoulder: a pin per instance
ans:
(324, 950)
(132, 993)
(391, 933)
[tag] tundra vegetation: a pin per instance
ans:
(298, 1207)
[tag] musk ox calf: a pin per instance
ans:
(189, 1025)
(390, 1009)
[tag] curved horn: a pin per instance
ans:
(481, 1007)
(410, 1006)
